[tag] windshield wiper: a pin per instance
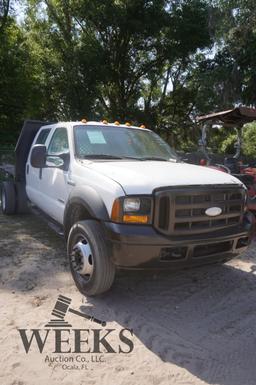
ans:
(107, 156)
(131, 157)
(154, 158)
(101, 156)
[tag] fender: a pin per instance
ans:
(90, 199)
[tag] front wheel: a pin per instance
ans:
(90, 263)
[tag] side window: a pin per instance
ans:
(59, 142)
(41, 139)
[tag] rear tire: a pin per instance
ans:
(90, 263)
(8, 198)
(22, 200)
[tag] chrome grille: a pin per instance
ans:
(182, 210)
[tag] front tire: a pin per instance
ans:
(90, 263)
(8, 198)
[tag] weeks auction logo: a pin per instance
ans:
(70, 348)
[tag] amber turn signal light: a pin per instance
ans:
(135, 218)
(116, 211)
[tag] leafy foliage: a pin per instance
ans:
(14, 80)
(157, 62)
(249, 140)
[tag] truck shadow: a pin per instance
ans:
(203, 320)
(31, 255)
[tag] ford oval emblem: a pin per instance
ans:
(213, 211)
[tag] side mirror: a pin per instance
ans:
(58, 161)
(54, 161)
(38, 156)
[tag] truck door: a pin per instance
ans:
(34, 175)
(54, 187)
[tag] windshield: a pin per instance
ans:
(114, 142)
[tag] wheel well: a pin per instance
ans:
(76, 212)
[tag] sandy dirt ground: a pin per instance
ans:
(192, 327)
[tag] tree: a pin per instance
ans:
(4, 12)
(231, 70)
(158, 62)
(14, 78)
(117, 58)
(249, 140)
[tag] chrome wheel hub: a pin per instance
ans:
(82, 258)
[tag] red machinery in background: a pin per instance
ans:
(235, 119)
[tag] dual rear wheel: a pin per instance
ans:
(13, 198)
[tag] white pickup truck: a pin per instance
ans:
(124, 199)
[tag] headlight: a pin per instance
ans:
(132, 210)
(131, 204)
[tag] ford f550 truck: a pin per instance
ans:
(124, 199)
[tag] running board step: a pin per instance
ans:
(55, 226)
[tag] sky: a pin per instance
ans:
(19, 11)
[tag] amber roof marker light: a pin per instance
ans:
(83, 120)
(128, 124)
(104, 121)
(116, 123)
(142, 126)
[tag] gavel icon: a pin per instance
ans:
(62, 307)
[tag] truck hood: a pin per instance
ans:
(143, 177)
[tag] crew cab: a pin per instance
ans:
(125, 200)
